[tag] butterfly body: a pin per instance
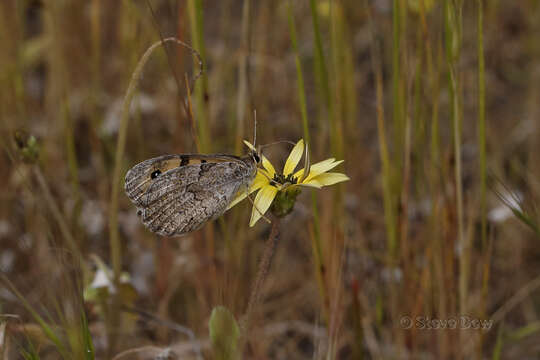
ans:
(178, 194)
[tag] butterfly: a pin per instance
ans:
(178, 194)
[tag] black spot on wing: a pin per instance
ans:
(185, 160)
(155, 174)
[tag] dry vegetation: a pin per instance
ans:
(399, 89)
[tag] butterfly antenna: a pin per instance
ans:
(278, 142)
(255, 128)
(307, 164)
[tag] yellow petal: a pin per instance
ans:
(321, 168)
(268, 166)
(262, 202)
(300, 172)
(327, 179)
(239, 197)
(259, 182)
(294, 158)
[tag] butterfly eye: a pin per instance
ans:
(155, 174)
(257, 158)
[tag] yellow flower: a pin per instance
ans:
(271, 183)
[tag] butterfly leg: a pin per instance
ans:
(256, 208)
(248, 195)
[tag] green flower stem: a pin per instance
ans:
(324, 83)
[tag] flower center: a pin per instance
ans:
(282, 179)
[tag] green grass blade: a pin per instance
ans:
(195, 13)
(316, 238)
(47, 328)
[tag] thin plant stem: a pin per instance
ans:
(189, 111)
(339, 75)
(61, 79)
(452, 20)
(71, 156)
(482, 159)
(398, 124)
(262, 272)
(398, 95)
(57, 214)
(195, 15)
(390, 221)
(316, 234)
(120, 148)
(322, 71)
(299, 73)
(482, 120)
(243, 84)
(324, 89)
(49, 330)
(114, 241)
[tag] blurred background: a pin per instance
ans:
(433, 105)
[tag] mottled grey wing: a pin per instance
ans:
(183, 199)
(139, 178)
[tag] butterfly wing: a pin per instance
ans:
(183, 199)
(139, 178)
